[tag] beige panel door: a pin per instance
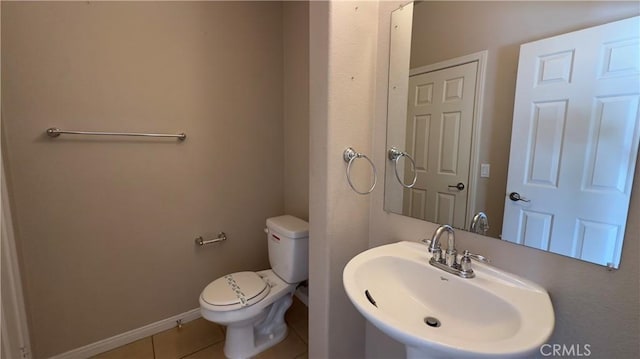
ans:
(439, 129)
(575, 142)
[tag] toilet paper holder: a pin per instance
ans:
(201, 241)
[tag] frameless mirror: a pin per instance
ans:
(517, 120)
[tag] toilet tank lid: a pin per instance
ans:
(290, 226)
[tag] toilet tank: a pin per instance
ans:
(288, 241)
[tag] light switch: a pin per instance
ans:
(485, 169)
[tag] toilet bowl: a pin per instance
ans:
(252, 304)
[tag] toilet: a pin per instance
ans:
(252, 304)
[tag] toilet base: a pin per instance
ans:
(247, 339)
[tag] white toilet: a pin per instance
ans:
(252, 304)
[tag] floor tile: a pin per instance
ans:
(200, 339)
(289, 348)
(301, 327)
(192, 337)
(297, 318)
(297, 311)
(141, 349)
(215, 351)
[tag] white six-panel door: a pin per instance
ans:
(575, 142)
(439, 129)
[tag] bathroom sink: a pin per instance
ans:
(437, 314)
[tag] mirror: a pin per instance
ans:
(468, 162)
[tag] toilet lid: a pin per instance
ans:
(236, 290)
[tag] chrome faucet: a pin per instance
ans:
(436, 250)
(480, 223)
(449, 262)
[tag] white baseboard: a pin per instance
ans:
(128, 337)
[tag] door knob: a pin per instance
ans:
(459, 186)
(515, 196)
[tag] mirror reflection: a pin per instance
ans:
(518, 120)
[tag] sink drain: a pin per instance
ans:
(432, 322)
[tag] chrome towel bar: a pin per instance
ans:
(55, 132)
(201, 241)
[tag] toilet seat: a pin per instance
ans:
(235, 291)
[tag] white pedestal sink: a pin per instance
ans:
(439, 315)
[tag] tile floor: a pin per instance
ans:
(200, 339)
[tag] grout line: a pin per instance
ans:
(201, 349)
(293, 329)
(153, 347)
(207, 346)
(197, 350)
(305, 341)
(295, 332)
(224, 336)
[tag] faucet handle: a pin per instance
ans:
(465, 264)
(435, 251)
(477, 257)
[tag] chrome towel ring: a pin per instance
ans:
(350, 155)
(395, 155)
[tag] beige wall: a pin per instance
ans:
(592, 305)
(343, 45)
(296, 108)
(105, 226)
(462, 28)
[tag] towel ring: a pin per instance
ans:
(350, 155)
(395, 155)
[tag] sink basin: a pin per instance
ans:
(438, 315)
